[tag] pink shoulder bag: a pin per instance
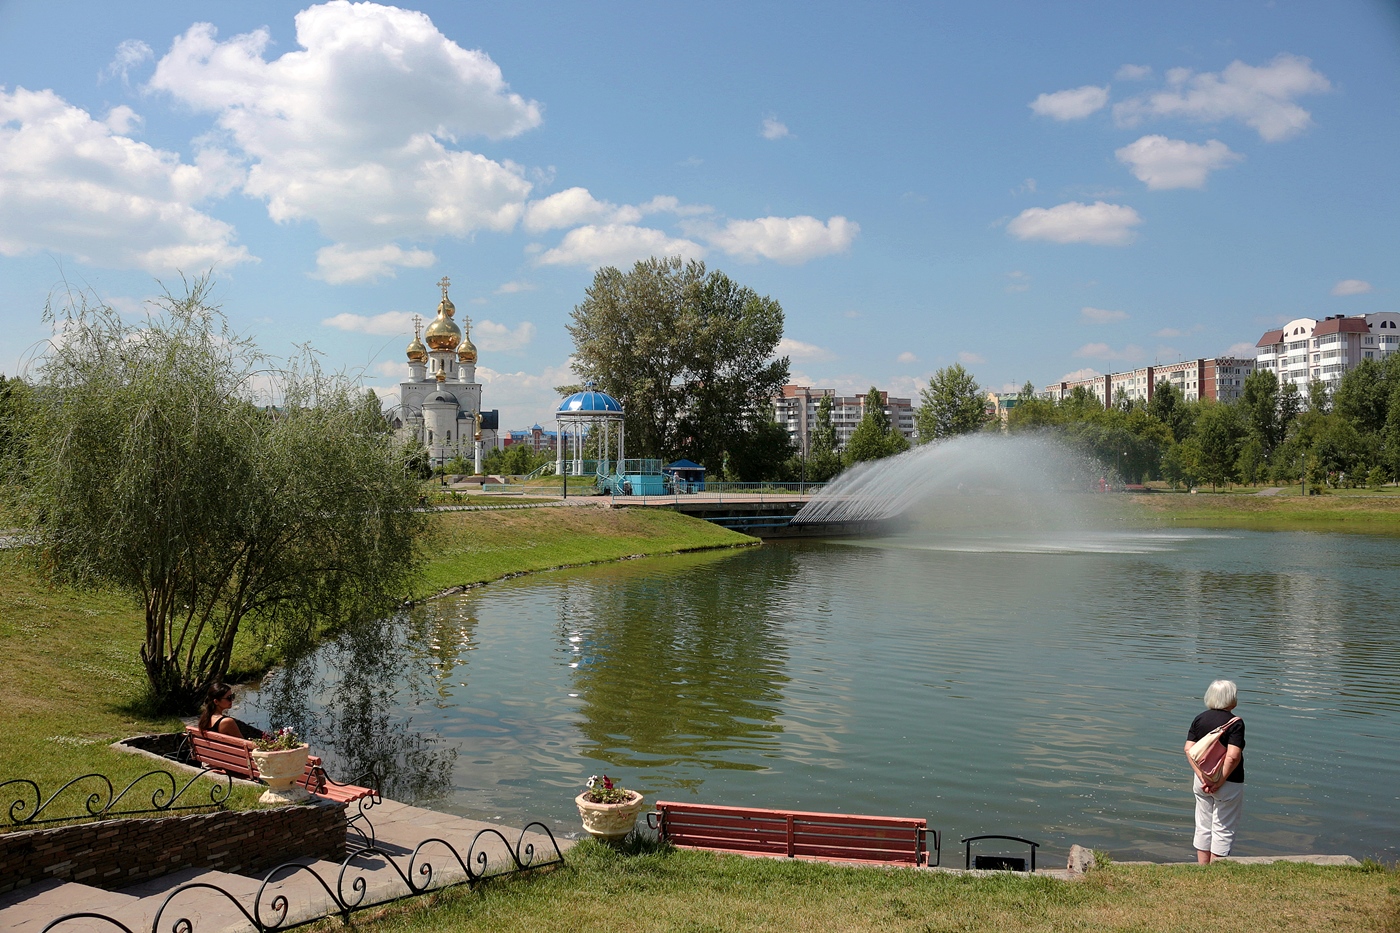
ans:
(1209, 751)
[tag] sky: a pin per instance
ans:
(1032, 190)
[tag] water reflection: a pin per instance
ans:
(685, 664)
(347, 701)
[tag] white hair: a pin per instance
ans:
(1221, 694)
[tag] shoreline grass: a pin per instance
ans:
(1358, 513)
(660, 889)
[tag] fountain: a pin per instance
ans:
(983, 482)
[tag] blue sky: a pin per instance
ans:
(1031, 189)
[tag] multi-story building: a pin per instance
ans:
(796, 409)
(1221, 378)
(1306, 349)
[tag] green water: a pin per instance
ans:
(991, 681)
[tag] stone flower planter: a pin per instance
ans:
(281, 770)
(609, 822)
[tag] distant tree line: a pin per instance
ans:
(1346, 437)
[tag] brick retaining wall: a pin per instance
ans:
(116, 853)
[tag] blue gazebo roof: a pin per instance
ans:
(590, 400)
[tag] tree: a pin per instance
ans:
(13, 395)
(1259, 404)
(690, 354)
(1390, 450)
(1031, 411)
(952, 404)
(1169, 407)
(762, 453)
(1217, 435)
(153, 470)
(875, 437)
(823, 460)
(1319, 399)
(515, 460)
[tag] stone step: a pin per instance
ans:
(30, 908)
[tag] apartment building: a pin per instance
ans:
(1221, 378)
(1306, 349)
(796, 409)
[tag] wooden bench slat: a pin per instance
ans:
(795, 833)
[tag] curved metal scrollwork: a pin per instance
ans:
(102, 801)
(185, 924)
(85, 915)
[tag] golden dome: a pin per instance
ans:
(443, 333)
(417, 353)
(466, 352)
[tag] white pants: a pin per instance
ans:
(1217, 816)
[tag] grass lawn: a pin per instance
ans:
(474, 547)
(667, 890)
(1359, 511)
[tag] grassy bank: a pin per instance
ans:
(1356, 513)
(474, 547)
(600, 890)
(73, 681)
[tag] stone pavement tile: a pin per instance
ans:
(32, 906)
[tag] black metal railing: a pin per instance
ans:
(271, 908)
(28, 807)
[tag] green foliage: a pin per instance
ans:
(1319, 399)
(1217, 435)
(152, 470)
(952, 404)
(761, 453)
(875, 437)
(415, 459)
(690, 355)
(824, 460)
(515, 460)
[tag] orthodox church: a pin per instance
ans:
(440, 401)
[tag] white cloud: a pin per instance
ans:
(1170, 332)
(1071, 105)
(567, 208)
(1102, 351)
(1017, 281)
(1260, 97)
(788, 240)
(1078, 374)
(388, 324)
(971, 359)
(1168, 353)
(78, 186)
(511, 288)
(1074, 222)
(773, 129)
(1244, 350)
(906, 357)
(666, 204)
(524, 398)
(357, 129)
(803, 352)
(1174, 163)
(1351, 287)
(130, 54)
(390, 368)
(1133, 73)
(1101, 315)
(492, 336)
(617, 245)
(340, 264)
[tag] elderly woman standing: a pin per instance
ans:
(1220, 802)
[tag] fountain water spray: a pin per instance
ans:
(1025, 479)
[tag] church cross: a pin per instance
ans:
(443, 283)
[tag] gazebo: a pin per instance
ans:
(578, 416)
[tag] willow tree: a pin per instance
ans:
(156, 466)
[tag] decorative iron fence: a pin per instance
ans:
(103, 802)
(271, 908)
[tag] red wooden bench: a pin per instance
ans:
(234, 755)
(883, 840)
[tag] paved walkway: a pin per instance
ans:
(399, 829)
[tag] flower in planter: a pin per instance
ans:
(282, 740)
(605, 790)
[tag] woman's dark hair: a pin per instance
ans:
(211, 699)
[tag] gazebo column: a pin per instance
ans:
(559, 447)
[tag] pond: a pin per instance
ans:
(991, 681)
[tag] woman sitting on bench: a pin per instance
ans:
(214, 715)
